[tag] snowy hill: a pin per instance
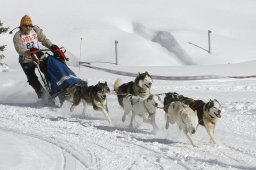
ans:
(100, 23)
(153, 36)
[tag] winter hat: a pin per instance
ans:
(25, 20)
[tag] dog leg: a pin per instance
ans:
(167, 122)
(132, 118)
(124, 116)
(153, 122)
(107, 115)
(127, 107)
(210, 131)
(72, 108)
(189, 136)
(84, 108)
(76, 100)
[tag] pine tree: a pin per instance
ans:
(2, 30)
(3, 66)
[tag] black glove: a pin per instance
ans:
(58, 53)
(54, 48)
(36, 54)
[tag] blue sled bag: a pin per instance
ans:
(60, 75)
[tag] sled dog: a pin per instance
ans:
(185, 118)
(139, 87)
(95, 95)
(208, 114)
(145, 108)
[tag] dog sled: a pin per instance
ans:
(57, 78)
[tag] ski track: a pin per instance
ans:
(96, 145)
(65, 149)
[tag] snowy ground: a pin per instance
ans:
(149, 33)
(64, 140)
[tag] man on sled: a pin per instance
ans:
(26, 42)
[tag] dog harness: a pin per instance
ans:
(170, 97)
(199, 106)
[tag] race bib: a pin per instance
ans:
(30, 40)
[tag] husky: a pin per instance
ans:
(139, 87)
(95, 95)
(145, 108)
(185, 118)
(208, 114)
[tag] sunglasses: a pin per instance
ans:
(28, 26)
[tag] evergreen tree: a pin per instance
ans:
(2, 30)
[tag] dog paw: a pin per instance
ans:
(214, 142)
(195, 144)
(72, 109)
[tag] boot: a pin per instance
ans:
(39, 92)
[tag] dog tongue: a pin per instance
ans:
(218, 115)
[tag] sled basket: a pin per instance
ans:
(61, 77)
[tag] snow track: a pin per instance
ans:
(90, 143)
(68, 152)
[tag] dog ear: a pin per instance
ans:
(106, 83)
(209, 105)
(216, 101)
(97, 85)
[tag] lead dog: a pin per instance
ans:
(139, 87)
(95, 95)
(145, 108)
(208, 113)
(185, 118)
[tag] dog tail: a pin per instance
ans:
(117, 84)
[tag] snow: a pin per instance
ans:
(36, 136)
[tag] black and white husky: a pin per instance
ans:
(139, 87)
(95, 95)
(145, 108)
(185, 118)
